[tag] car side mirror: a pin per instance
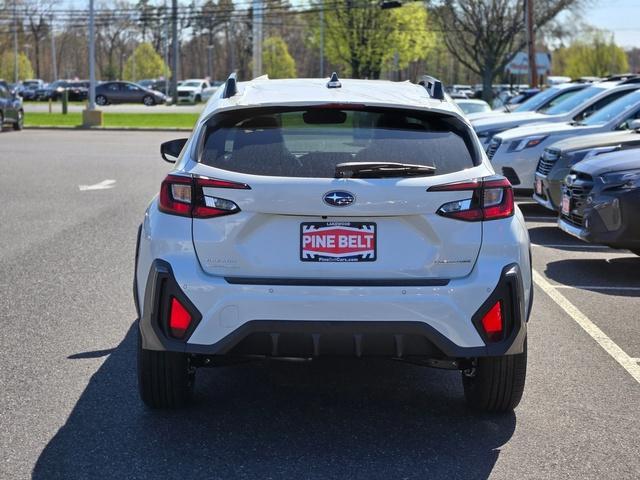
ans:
(634, 125)
(170, 151)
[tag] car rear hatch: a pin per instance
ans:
(292, 220)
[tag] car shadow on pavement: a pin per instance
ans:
(330, 419)
(599, 272)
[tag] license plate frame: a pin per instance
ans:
(538, 186)
(566, 204)
(316, 244)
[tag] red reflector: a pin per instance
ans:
(492, 322)
(179, 318)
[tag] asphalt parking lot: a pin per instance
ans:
(69, 407)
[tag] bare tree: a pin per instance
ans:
(37, 12)
(484, 35)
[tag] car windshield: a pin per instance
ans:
(30, 84)
(191, 84)
(575, 100)
(545, 100)
(613, 110)
(474, 107)
(311, 142)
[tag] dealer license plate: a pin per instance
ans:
(338, 242)
(566, 204)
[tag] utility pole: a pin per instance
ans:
(257, 38)
(531, 42)
(54, 66)
(15, 42)
(209, 62)
(90, 116)
(174, 59)
(92, 58)
(322, 39)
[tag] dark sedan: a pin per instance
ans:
(127, 92)
(10, 109)
(557, 159)
(601, 201)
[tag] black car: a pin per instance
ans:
(127, 92)
(10, 109)
(557, 159)
(601, 200)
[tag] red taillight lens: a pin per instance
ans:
(186, 196)
(179, 319)
(176, 195)
(491, 199)
(492, 322)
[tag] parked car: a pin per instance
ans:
(538, 103)
(575, 108)
(11, 112)
(469, 106)
(511, 102)
(558, 159)
(127, 92)
(389, 235)
(29, 88)
(191, 90)
(601, 201)
(207, 93)
(515, 153)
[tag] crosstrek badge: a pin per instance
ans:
(338, 242)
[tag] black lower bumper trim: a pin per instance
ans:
(340, 282)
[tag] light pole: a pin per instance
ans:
(209, 61)
(91, 117)
(257, 38)
(15, 42)
(322, 39)
(53, 52)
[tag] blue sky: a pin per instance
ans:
(618, 16)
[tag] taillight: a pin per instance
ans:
(179, 318)
(492, 323)
(186, 196)
(491, 199)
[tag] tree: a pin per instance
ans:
(144, 63)
(7, 66)
(484, 35)
(590, 56)
(276, 59)
(365, 39)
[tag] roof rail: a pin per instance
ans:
(626, 81)
(230, 88)
(619, 76)
(334, 82)
(433, 86)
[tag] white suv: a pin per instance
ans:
(307, 218)
(192, 90)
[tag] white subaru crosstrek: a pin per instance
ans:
(310, 218)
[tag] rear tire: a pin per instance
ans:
(497, 383)
(20, 122)
(1, 121)
(101, 100)
(165, 379)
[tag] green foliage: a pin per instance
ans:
(145, 63)
(367, 40)
(182, 121)
(277, 62)
(590, 56)
(7, 66)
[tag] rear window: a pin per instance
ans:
(310, 142)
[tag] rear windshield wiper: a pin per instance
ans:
(382, 169)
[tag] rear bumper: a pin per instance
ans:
(311, 321)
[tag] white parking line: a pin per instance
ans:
(566, 245)
(596, 287)
(103, 185)
(628, 363)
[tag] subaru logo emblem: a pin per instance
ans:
(339, 198)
